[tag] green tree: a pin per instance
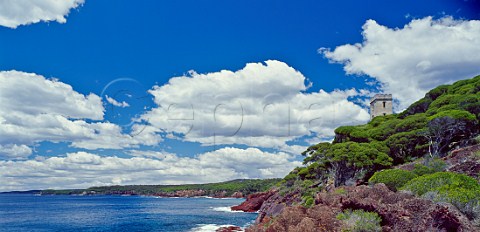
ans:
(449, 127)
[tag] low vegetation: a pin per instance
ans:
(360, 221)
(460, 190)
(392, 178)
(429, 166)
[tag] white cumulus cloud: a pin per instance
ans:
(14, 13)
(14, 151)
(29, 93)
(114, 102)
(35, 109)
(411, 60)
(263, 104)
(82, 169)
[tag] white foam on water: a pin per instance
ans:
(225, 209)
(207, 227)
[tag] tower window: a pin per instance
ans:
(384, 104)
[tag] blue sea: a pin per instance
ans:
(23, 212)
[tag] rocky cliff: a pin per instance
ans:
(254, 201)
(465, 161)
(399, 211)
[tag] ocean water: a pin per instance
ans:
(22, 212)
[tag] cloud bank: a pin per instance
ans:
(83, 169)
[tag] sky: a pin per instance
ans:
(172, 92)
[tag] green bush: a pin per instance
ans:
(289, 179)
(404, 145)
(441, 181)
(447, 117)
(307, 183)
(420, 170)
(340, 191)
(392, 178)
(430, 166)
(308, 201)
(303, 172)
(351, 160)
(455, 114)
(436, 164)
(458, 189)
(359, 220)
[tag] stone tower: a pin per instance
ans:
(381, 105)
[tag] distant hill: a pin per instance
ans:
(234, 188)
(23, 192)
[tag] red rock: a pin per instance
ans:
(299, 219)
(465, 161)
(461, 153)
(275, 205)
(229, 229)
(399, 212)
(237, 195)
(254, 202)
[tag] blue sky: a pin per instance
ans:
(147, 93)
(152, 41)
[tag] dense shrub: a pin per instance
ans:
(437, 92)
(429, 166)
(436, 164)
(392, 178)
(420, 106)
(420, 170)
(406, 145)
(441, 181)
(347, 161)
(289, 179)
(460, 190)
(447, 117)
(359, 220)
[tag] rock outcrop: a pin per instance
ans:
(275, 205)
(254, 201)
(237, 195)
(300, 219)
(465, 161)
(399, 212)
(229, 229)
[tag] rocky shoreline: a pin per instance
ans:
(399, 211)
